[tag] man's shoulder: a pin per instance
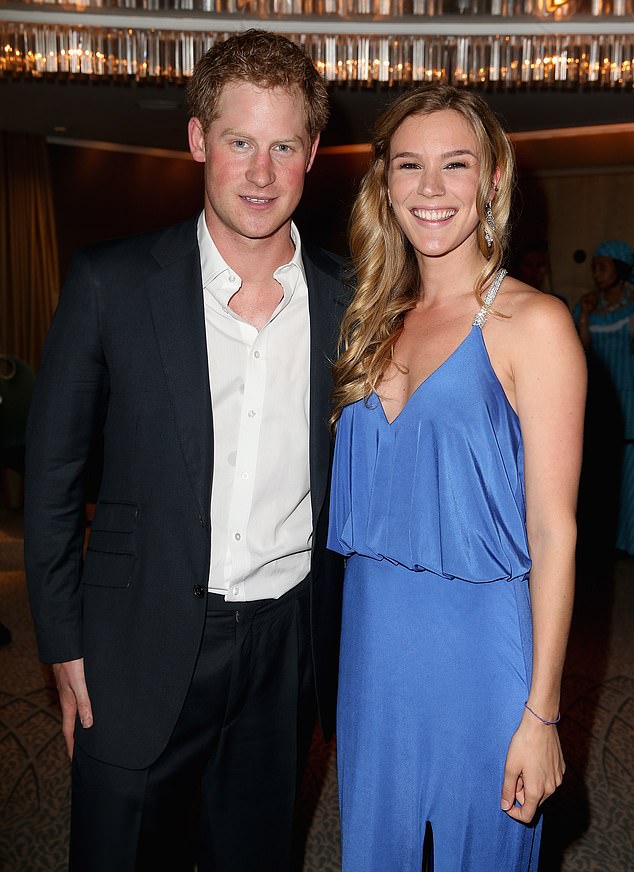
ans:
(156, 247)
(334, 266)
(323, 259)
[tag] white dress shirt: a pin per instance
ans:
(261, 516)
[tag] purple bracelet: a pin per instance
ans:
(540, 718)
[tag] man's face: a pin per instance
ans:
(256, 154)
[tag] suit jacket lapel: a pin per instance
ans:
(176, 302)
(326, 301)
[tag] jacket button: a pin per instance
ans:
(199, 591)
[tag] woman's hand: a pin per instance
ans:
(589, 302)
(534, 768)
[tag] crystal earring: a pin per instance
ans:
(490, 225)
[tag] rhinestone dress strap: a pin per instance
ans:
(489, 297)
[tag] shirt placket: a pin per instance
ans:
(249, 433)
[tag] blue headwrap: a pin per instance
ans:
(617, 250)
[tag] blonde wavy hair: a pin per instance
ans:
(384, 261)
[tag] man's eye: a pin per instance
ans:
(283, 147)
(240, 143)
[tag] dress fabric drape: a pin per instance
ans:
(436, 646)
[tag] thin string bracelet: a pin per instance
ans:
(540, 718)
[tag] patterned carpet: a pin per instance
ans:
(589, 824)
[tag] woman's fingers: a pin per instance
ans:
(509, 787)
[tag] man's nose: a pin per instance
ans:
(261, 170)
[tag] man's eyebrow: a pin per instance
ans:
(239, 134)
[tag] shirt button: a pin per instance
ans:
(232, 278)
(257, 355)
(237, 537)
(251, 413)
(245, 476)
(236, 590)
(199, 591)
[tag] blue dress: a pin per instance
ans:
(436, 642)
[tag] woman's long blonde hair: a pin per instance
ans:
(385, 266)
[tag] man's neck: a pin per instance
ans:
(254, 260)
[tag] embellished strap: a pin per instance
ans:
(489, 297)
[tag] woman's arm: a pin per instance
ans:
(550, 385)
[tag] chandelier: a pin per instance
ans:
(511, 44)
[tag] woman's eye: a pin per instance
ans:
(408, 165)
(456, 165)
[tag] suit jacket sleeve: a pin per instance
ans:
(69, 403)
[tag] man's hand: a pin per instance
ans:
(73, 698)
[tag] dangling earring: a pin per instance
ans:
(490, 225)
(389, 200)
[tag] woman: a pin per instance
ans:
(456, 469)
(605, 318)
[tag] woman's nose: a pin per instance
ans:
(431, 183)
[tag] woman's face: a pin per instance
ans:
(604, 273)
(433, 178)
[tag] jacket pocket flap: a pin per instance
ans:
(111, 542)
(103, 569)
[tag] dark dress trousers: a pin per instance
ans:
(126, 356)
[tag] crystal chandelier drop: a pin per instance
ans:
(510, 44)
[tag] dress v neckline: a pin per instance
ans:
(478, 322)
(421, 384)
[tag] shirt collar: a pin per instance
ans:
(223, 282)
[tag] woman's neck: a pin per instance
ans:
(449, 276)
(615, 296)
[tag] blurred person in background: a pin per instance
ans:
(532, 266)
(605, 320)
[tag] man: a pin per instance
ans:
(188, 643)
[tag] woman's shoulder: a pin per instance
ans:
(531, 308)
(534, 320)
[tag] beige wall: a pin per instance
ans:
(577, 212)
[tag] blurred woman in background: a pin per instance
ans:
(605, 318)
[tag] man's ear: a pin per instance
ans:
(313, 152)
(196, 137)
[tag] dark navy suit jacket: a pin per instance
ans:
(126, 356)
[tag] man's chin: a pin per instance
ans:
(265, 231)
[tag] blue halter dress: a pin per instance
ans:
(436, 643)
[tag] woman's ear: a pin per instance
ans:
(495, 182)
